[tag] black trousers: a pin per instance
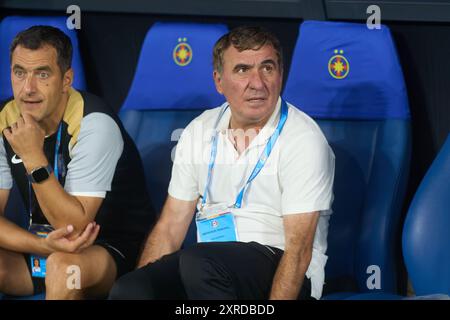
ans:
(217, 270)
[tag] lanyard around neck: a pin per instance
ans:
(261, 161)
(56, 170)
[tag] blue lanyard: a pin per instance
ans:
(56, 170)
(261, 161)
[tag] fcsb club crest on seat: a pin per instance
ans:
(338, 65)
(182, 53)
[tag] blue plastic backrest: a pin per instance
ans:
(11, 26)
(155, 134)
(165, 95)
(346, 71)
(426, 233)
(358, 97)
(173, 84)
(175, 68)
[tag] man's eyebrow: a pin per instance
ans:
(44, 68)
(18, 66)
(41, 68)
(269, 61)
(242, 65)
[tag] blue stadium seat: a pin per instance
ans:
(11, 26)
(349, 79)
(426, 236)
(172, 85)
(426, 233)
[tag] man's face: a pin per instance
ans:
(251, 83)
(37, 82)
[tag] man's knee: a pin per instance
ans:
(58, 268)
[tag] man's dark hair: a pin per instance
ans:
(37, 37)
(246, 38)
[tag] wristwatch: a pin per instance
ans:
(40, 174)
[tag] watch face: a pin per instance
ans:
(40, 174)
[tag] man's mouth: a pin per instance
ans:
(256, 99)
(32, 102)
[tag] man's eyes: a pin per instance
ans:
(268, 68)
(242, 69)
(19, 73)
(40, 74)
(43, 75)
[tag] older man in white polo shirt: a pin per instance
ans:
(258, 175)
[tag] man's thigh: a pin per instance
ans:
(15, 278)
(243, 270)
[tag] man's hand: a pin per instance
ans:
(57, 240)
(26, 138)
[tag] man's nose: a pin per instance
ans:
(256, 80)
(30, 86)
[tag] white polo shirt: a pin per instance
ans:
(297, 178)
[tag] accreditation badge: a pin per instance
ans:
(215, 223)
(38, 263)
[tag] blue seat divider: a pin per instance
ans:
(12, 25)
(349, 79)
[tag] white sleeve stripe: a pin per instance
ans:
(101, 194)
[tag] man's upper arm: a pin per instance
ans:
(93, 161)
(94, 157)
(307, 175)
(90, 206)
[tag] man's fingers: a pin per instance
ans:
(83, 237)
(61, 232)
(92, 237)
(27, 118)
(14, 127)
(7, 133)
(20, 122)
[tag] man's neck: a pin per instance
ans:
(258, 125)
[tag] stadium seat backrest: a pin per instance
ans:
(173, 84)
(426, 233)
(348, 78)
(12, 25)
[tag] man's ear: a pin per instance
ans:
(218, 81)
(67, 80)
